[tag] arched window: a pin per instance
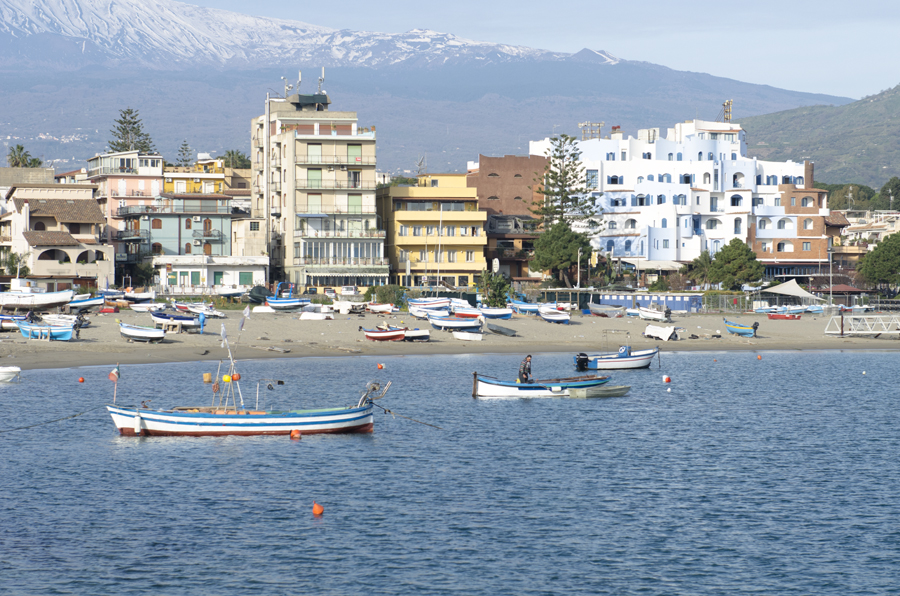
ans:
(493, 175)
(799, 180)
(807, 202)
(665, 223)
(661, 200)
(785, 224)
(807, 224)
(640, 179)
(156, 248)
(671, 157)
(187, 223)
(493, 198)
(207, 249)
(709, 156)
(156, 224)
(187, 248)
(716, 246)
(54, 255)
(39, 226)
(650, 178)
(785, 247)
(700, 156)
(630, 224)
(678, 157)
(517, 198)
(609, 245)
(706, 178)
(712, 224)
(84, 257)
(612, 225)
(628, 246)
(736, 200)
(737, 225)
(737, 180)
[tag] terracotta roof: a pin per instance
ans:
(238, 192)
(836, 219)
(64, 210)
(50, 239)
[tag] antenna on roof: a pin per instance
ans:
(299, 78)
(421, 165)
(321, 80)
(287, 87)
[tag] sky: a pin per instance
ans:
(843, 48)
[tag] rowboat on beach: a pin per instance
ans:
(147, 307)
(783, 316)
(484, 386)
(606, 310)
(187, 321)
(138, 333)
(86, 303)
(496, 313)
(455, 324)
(48, 332)
(380, 308)
(387, 334)
(553, 315)
(741, 329)
(468, 335)
(652, 314)
(35, 300)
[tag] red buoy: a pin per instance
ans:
(81, 379)
(318, 509)
(295, 435)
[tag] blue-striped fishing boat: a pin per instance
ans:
(553, 315)
(455, 324)
(86, 303)
(484, 386)
(433, 303)
(187, 321)
(741, 329)
(496, 313)
(285, 300)
(528, 308)
(53, 332)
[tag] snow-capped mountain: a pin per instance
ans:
(167, 34)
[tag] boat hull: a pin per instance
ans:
(493, 388)
(9, 373)
(455, 324)
(468, 335)
(616, 360)
(55, 333)
(145, 334)
(385, 334)
(497, 313)
(783, 316)
(131, 421)
(648, 314)
(738, 329)
(603, 310)
(35, 300)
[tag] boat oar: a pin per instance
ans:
(386, 411)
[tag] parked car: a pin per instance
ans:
(311, 291)
(330, 293)
(349, 291)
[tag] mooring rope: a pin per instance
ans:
(9, 430)
(386, 411)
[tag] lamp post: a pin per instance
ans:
(830, 282)
(578, 283)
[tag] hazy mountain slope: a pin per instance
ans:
(856, 142)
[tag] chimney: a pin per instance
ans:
(808, 168)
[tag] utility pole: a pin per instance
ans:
(265, 182)
(578, 283)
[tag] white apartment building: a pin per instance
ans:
(669, 199)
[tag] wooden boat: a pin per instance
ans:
(389, 334)
(552, 315)
(496, 313)
(468, 335)
(783, 316)
(38, 331)
(651, 314)
(8, 322)
(380, 308)
(601, 391)
(466, 312)
(140, 296)
(137, 333)
(815, 309)
(500, 330)
(206, 310)
(9, 373)
(606, 310)
(417, 335)
(148, 307)
(455, 324)
(625, 358)
(86, 303)
(484, 386)
(285, 300)
(528, 308)
(429, 303)
(632, 312)
(35, 300)
(112, 294)
(187, 321)
(741, 329)
(63, 320)
(424, 313)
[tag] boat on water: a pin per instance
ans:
(783, 316)
(484, 386)
(496, 313)
(31, 300)
(741, 329)
(606, 310)
(553, 315)
(138, 333)
(651, 314)
(50, 332)
(9, 373)
(625, 358)
(468, 335)
(455, 324)
(603, 391)
(387, 334)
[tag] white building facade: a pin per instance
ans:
(669, 199)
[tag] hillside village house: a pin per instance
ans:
(58, 227)
(667, 199)
(435, 231)
(314, 183)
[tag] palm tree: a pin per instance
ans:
(236, 159)
(699, 268)
(18, 157)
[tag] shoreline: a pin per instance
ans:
(283, 335)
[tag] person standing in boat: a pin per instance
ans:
(525, 370)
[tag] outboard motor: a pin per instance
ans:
(755, 327)
(581, 362)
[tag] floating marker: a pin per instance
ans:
(759, 356)
(380, 366)
(318, 509)
(864, 372)
(669, 389)
(667, 379)
(226, 378)
(295, 435)
(81, 379)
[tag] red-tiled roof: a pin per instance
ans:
(63, 210)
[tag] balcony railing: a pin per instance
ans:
(150, 209)
(338, 160)
(105, 171)
(128, 257)
(360, 262)
(339, 234)
(5, 238)
(333, 184)
(511, 254)
(208, 234)
(275, 186)
(132, 235)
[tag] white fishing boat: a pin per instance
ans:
(137, 333)
(9, 373)
(140, 296)
(484, 386)
(429, 303)
(63, 320)
(625, 358)
(386, 334)
(86, 303)
(148, 307)
(606, 310)
(496, 313)
(468, 335)
(33, 300)
(553, 315)
(651, 314)
(424, 313)
(417, 335)
(187, 321)
(455, 324)
(316, 316)
(379, 308)
(206, 310)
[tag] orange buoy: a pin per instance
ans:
(81, 379)
(380, 366)
(295, 434)
(759, 356)
(667, 379)
(318, 509)
(236, 376)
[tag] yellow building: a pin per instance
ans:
(434, 231)
(206, 176)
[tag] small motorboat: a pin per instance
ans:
(187, 321)
(652, 314)
(496, 313)
(484, 386)
(466, 312)
(138, 333)
(380, 308)
(455, 324)
(424, 313)
(148, 307)
(606, 310)
(783, 316)
(86, 303)
(500, 330)
(9, 373)
(285, 300)
(625, 358)
(741, 329)
(522, 307)
(429, 303)
(553, 315)
(468, 335)
(417, 335)
(388, 334)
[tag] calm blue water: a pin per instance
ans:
(772, 476)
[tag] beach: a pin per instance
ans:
(283, 335)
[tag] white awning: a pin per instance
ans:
(645, 265)
(790, 288)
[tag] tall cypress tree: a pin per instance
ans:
(128, 134)
(185, 154)
(562, 185)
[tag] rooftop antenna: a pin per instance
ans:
(727, 109)
(287, 86)
(590, 130)
(420, 166)
(299, 78)
(321, 80)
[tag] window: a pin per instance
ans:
(493, 175)
(429, 230)
(706, 178)
(665, 244)
(733, 156)
(700, 156)
(764, 246)
(463, 280)
(793, 201)
(463, 231)
(736, 201)
(650, 178)
(712, 224)
(628, 246)
(611, 157)
(631, 224)
(254, 226)
(640, 180)
(737, 225)
(493, 198)
(807, 246)
(709, 156)
(661, 200)
(404, 255)
(404, 231)
(245, 278)
(756, 201)
(434, 183)
(777, 201)
(671, 157)
(665, 223)
(678, 157)
(592, 179)
(451, 256)
(156, 224)
(195, 278)
(417, 230)
(785, 224)
(623, 156)
(781, 246)
(423, 256)
(157, 248)
(515, 199)
(438, 256)
(807, 202)
(470, 256)
(609, 245)
(611, 226)
(187, 248)
(451, 230)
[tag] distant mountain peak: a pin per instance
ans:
(594, 57)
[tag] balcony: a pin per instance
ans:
(208, 234)
(333, 185)
(5, 238)
(128, 258)
(132, 235)
(339, 160)
(336, 261)
(171, 209)
(108, 171)
(511, 254)
(275, 186)
(339, 234)
(449, 218)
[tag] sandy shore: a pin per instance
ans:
(283, 335)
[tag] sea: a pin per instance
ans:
(747, 473)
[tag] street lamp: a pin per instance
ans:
(830, 282)
(578, 283)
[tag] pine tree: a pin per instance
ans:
(129, 134)
(185, 155)
(735, 265)
(562, 185)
